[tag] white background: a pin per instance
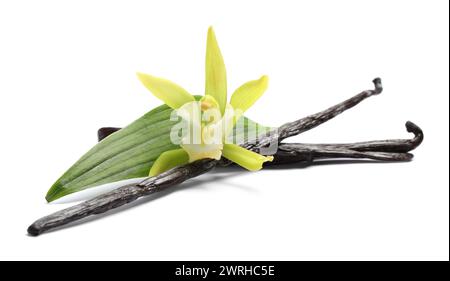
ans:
(68, 68)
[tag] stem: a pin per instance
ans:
(129, 193)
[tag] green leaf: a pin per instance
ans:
(129, 153)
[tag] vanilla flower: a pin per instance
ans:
(210, 119)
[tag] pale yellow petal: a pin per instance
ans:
(250, 160)
(168, 160)
(165, 90)
(247, 94)
(216, 76)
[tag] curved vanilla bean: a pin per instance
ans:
(383, 150)
(391, 145)
(314, 120)
(126, 194)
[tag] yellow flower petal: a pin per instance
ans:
(247, 94)
(165, 90)
(168, 160)
(250, 160)
(216, 76)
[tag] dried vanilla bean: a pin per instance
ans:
(296, 152)
(382, 150)
(129, 193)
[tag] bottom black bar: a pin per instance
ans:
(235, 270)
